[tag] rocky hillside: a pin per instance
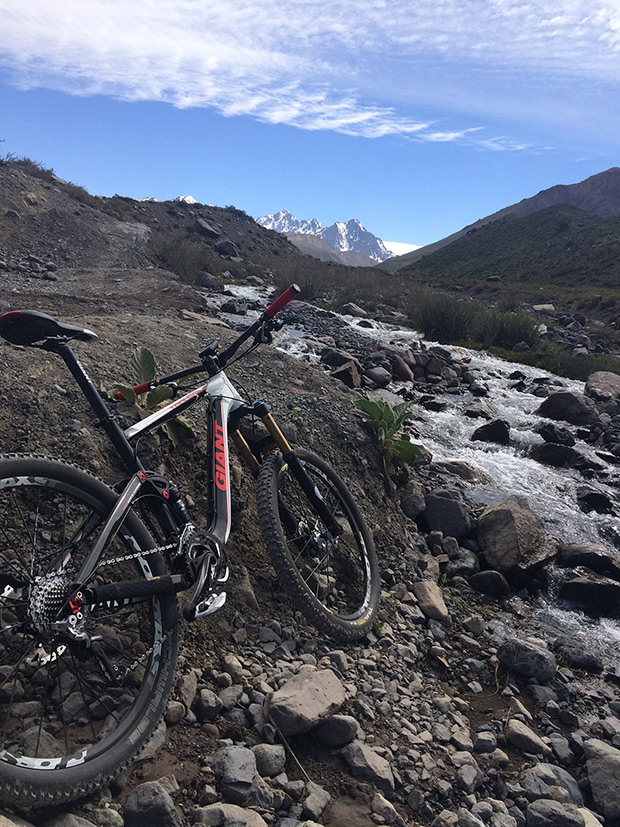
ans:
(453, 711)
(598, 195)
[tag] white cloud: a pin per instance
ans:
(361, 67)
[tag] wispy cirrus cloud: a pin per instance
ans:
(434, 70)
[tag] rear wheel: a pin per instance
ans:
(334, 581)
(75, 705)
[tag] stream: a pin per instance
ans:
(551, 492)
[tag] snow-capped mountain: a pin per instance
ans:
(340, 236)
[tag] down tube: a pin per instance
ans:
(220, 470)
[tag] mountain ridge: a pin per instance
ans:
(599, 195)
(342, 236)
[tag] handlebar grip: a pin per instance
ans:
(282, 300)
(137, 389)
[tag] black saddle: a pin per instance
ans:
(26, 327)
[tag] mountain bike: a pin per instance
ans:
(89, 574)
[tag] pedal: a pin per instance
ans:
(210, 605)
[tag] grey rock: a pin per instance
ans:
(447, 511)
(305, 700)
(150, 804)
(523, 738)
(337, 730)
(430, 599)
(603, 768)
(365, 763)
(270, 759)
(315, 802)
(208, 706)
(227, 815)
(546, 813)
(528, 658)
(569, 406)
(512, 537)
(235, 770)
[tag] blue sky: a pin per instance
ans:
(416, 118)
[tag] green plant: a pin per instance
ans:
(385, 421)
(442, 318)
(143, 368)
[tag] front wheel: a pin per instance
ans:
(78, 701)
(332, 580)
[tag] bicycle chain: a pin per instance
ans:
(137, 554)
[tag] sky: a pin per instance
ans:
(417, 117)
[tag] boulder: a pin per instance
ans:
(380, 376)
(401, 370)
(349, 374)
(352, 309)
(603, 768)
(512, 537)
(447, 511)
(569, 406)
(528, 658)
(592, 593)
(496, 431)
(149, 803)
(208, 281)
(604, 387)
(520, 735)
(490, 582)
(547, 813)
(305, 701)
(562, 456)
(596, 558)
(559, 434)
(207, 229)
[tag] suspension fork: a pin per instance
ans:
(296, 467)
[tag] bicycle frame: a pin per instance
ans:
(225, 408)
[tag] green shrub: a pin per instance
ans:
(178, 254)
(442, 318)
(498, 329)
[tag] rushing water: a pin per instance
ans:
(551, 492)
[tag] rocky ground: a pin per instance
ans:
(447, 714)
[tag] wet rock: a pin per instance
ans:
(593, 499)
(569, 406)
(150, 804)
(352, 309)
(528, 658)
(596, 558)
(305, 701)
(594, 594)
(497, 431)
(562, 456)
(559, 434)
(512, 537)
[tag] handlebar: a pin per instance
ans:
(265, 318)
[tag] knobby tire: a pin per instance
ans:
(334, 582)
(72, 718)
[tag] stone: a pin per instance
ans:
(401, 371)
(352, 309)
(569, 406)
(412, 500)
(220, 814)
(365, 763)
(227, 248)
(490, 582)
(603, 386)
(208, 281)
(149, 803)
(512, 537)
(592, 593)
(208, 706)
(498, 431)
(528, 658)
(561, 456)
(547, 813)
(603, 768)
(559, 434)
(348, 374)
(305, 700)
(430, 599)
(525, 739)
(447, 511)
(270, 759)
(235, 770)
(315, 802)
(337, 730)
(207, 229)
(380, 376)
